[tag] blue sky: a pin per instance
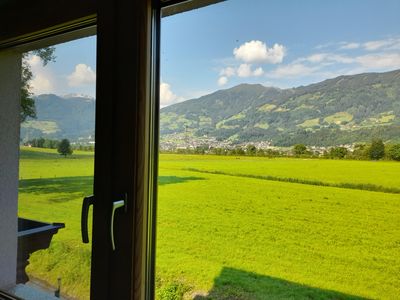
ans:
(73, 72)
(283, 43)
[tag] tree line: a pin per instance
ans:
(64, 147)
(375, 150)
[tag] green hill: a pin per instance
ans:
(345, 109)
(70, 117)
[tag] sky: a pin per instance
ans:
(281, 43)
(73, 72)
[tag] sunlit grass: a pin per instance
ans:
(382, 173)
(234, 237)
(51, 190)
(326, 238)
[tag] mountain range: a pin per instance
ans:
(71, 116)
(342, 110)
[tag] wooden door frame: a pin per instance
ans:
(124, 67)
(133, 30)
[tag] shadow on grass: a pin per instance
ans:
(237, 284)
(163, 180)
(67, 188)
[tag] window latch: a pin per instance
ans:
(115, 206)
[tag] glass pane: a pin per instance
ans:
(56, 170)
(279, 151)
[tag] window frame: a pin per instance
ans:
(132, 163)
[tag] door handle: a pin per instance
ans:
(115, 206)
(87, 201)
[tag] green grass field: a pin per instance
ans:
(238, 228)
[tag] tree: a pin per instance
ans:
(299, 149)
(251, 150)
(377, 149)
(240, 151)
(40, 142)
(394, 152)
(360, 151)
(64, 148)
(260, 152)
(27, 102)
(338, 152)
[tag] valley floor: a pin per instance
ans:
(227, 230)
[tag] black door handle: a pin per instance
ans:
(87, 201)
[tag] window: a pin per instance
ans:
(126, 163)
(271, 115)
(115, 274)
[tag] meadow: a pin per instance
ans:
(237, 227)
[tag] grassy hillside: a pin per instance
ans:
(343, 110)
(233, 237)
(58, 117)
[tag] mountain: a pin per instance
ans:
(71, 116)
(343, 110)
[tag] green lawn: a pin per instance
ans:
(51, 189)
(229, 236)
(382, 173)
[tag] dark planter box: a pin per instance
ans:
(32, 236)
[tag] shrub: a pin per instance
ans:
(338, 152)
(377, 149)
(394, 152)
(299, 149)
(64, 148)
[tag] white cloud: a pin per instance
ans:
(326, 57)
(337, 59)
(258, 52)
(34, 61)
(349, 46)
(392, 43)
(258, 72)
(82, 75)
(320, 64)
(316, 58)
(340, 59)
(394, 46)
(244, 70)
(292, 70)
(385, 44)
(167, 97)
(379, 61)
(227, 72)
(375, 45)
(323, 46)
(41, 82)
(222, 80)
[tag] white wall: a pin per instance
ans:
(10, 81)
